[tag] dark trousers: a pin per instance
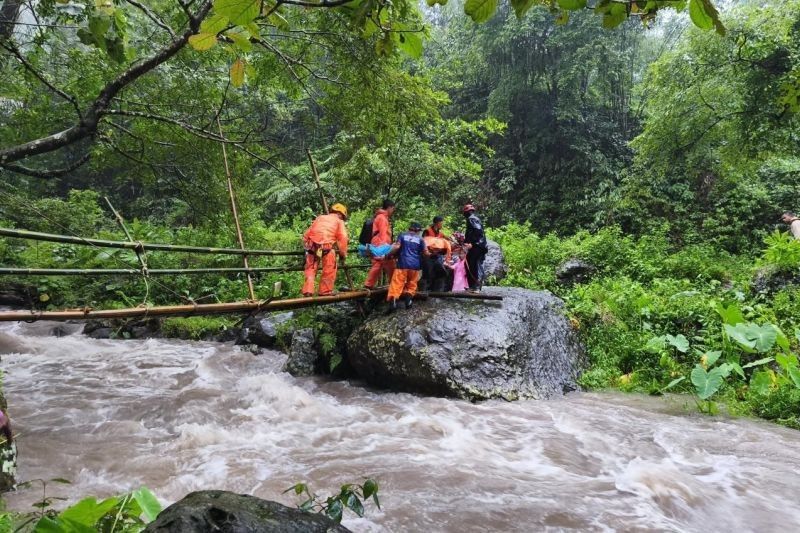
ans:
(434, 275)
(475, 274)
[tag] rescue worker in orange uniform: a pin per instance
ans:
(318, 241)
(381, 234)
(409, 248)
(435, 229)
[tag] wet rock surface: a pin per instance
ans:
(494, 265)
(226, 512)
(574, 271)
(262, 330)
(522, 347)
(303, 354)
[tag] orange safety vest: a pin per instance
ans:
(438, 246)
(325, 231)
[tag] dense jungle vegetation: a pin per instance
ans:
(647, 144)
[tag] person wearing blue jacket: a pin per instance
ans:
(409, 249)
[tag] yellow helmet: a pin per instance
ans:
(339, 208)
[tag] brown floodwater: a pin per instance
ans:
(180, 416)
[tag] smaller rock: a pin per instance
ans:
(768, 280)
(217, 510)
(16, 295)
(262, 330)
(494, 265)
(100, 333)
(574, 271)
(303, 354)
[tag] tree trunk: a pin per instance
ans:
(8, 16)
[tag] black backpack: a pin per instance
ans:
(366, 232)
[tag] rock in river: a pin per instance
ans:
(217, 510)
(522, 347)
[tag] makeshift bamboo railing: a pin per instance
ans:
(151, 271)
(221, 308)
(141, 246)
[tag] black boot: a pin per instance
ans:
(409, 301)
(391, 307)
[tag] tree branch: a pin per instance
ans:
(11, 48)
(88, 125)
(154, 17)
(46, 174)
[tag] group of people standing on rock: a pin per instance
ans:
(426, 259)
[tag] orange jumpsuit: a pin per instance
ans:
(318, 240)
(381, 234)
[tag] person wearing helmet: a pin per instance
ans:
(409, 249)
(477, 246)
(319, 240)
(381, 235)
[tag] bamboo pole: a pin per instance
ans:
(213, 309)
(235, 214)
(155, 271)
(102, 243)
(316, 178)
(121, 222)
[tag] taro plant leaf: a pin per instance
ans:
(706, 383)
(761, 382)
(738, 369)
(730, 315)
(760, 362)
(724, 370)
(88, 511)
(656, 344)
(765, 336)
(673, 383)
(794, 374)
(709, 358)
(148, 502)
(679, 342)
(738, 334)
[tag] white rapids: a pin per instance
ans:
(180, 416)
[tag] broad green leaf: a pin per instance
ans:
(354, 504)
(370, 487)
(738, 333)
(203, 41)
(237, 73)
(521, 6)
(278, 20)
(764, 336)
(673, 383)
(730, 315)
(709, 358)
(411, 44)
(88, 511)
(679, 342)
(239, 12)
(738, 369)
(705, 16)
(572, 5)
(614, 19)
(794, 374)
(334, 510)
(706, 383)
(148, 502)
(723, 370)
(655, 344)
(214, 24)
(761, 382)
(241, 39)
(760, 362)
(480, 10)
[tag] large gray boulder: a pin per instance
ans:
(574, 270)
(522, 347)
(303, 354)
(494, 265)
(226, 512)
(262, 330)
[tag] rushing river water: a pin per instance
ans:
(181, 416)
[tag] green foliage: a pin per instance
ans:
(351, 496)
(782, 252)
(195, 327)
